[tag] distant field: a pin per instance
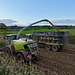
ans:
(31, 31)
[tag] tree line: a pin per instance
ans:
(50, 27)
(4, 26)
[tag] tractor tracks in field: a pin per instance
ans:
(57, 62)
(54, 65)
(60, 63)
(70, 49)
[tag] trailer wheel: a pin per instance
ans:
(7, 51)
(55, 48)
(48, 47)
(20, 57)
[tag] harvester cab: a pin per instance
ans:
(9, 38)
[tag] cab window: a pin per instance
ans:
(30, 36)
(9, 39)
(13, 37)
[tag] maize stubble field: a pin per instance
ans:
(57, 63)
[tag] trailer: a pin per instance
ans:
(52, 40)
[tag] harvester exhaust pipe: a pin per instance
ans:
(35, 23)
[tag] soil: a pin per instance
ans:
(57, 63)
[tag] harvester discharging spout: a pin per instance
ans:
(45, 20)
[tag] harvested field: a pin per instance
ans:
(57, 63)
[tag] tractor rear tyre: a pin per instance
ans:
(20, 57)
(7, 51)
(55, 48)
(48, 47)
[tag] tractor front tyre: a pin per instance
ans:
(55, 48)
(7, 51)
(20, 57)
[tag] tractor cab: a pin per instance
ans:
(8, 38)
(29, 36)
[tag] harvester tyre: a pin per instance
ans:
(20, 57)
(55, 48)
(7, 51)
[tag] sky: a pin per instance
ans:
(24, 12)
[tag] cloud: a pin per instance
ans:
(8, 21)
(59, 22)
(63, 21)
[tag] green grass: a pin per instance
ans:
(71, 31)
(31, 31)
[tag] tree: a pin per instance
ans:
(3, 26)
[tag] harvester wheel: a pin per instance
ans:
(55, 48)
(7, 51)
(48, 47)
(20, 57)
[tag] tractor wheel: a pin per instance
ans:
(48, 47)
(20, 57)
(7, 51)
(55, 48)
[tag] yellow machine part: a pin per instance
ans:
(19, 46)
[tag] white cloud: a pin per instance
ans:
(63, 21)
(59, 22)
(10, 22)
